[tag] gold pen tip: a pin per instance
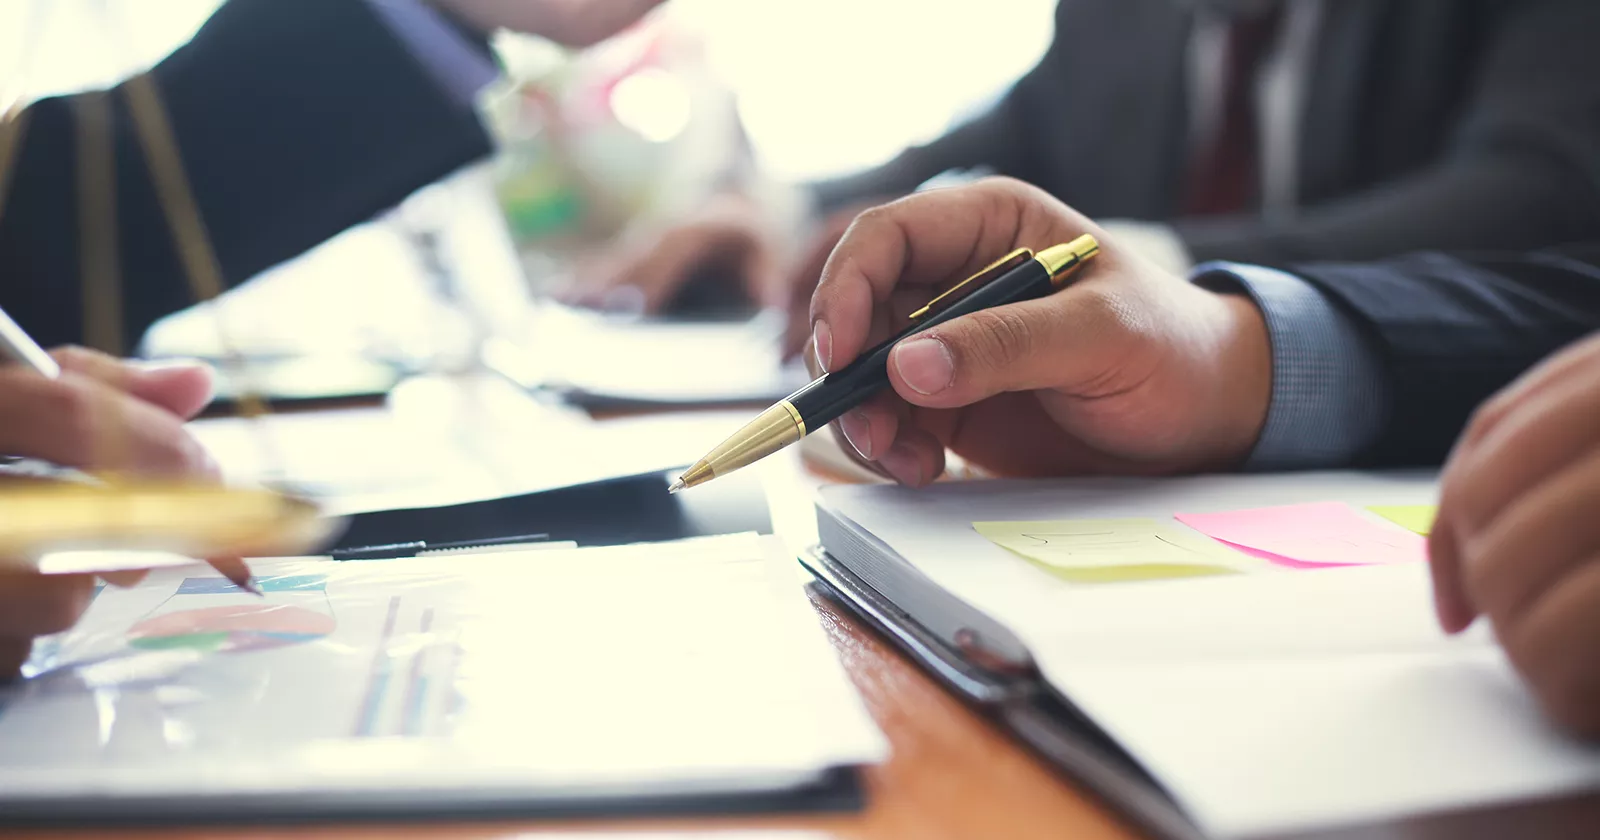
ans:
(677, 484)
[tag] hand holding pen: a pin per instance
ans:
(1128, 370)
(1062, 365)
(54, 407)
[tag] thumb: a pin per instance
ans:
(1054, 342)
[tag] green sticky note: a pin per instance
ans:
(1114, 550)
(1417, 518)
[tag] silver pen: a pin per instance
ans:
(18, 346)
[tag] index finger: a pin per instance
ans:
(928, 238)
(181, 387)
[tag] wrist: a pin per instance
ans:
(1244, 393)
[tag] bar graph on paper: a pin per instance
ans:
(410, 687)
(407, 690)
(327, 655)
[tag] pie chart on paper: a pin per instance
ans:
(231, 629)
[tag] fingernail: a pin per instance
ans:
(858, 430)
(822, 343)
(903, 464)
(925, 364)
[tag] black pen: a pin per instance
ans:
(417, 548)
(1018, 276)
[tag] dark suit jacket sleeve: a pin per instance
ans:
(295, 119)
(1450, 331)
(1521, 172)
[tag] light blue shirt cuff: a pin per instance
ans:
(459, 66)
(1329, 392)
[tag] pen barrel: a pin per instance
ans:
(826, 399)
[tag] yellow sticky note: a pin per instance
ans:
(1417, 518)
(1113, 550)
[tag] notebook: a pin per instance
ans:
(1262, 703)
(676, 677)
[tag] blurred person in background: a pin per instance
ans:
(295, 120)
(1265, 131)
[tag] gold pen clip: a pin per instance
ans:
(989, 272)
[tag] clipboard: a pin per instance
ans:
(1020, 702)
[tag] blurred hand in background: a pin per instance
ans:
(106, 415)
(731, 234)
(1517, 539)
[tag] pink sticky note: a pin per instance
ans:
(1280, 560)
(1321, 534)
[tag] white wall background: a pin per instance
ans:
(824, 86)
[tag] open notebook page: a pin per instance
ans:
(1268, 701)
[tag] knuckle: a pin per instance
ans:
(1470, 500)
(1001, 337)
(1483, 577)
(1111, 320)
(73, 413)
(1005, 184)
(871, 217)
(1097, 301)
(1484, 418)
(73, 356)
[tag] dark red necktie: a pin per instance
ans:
(1225, 175)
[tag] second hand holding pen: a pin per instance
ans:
(1018, 276)
(19, 347)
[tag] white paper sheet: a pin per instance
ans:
(674, 667)
(1273, 701)
(441, 442)
(656, 362)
